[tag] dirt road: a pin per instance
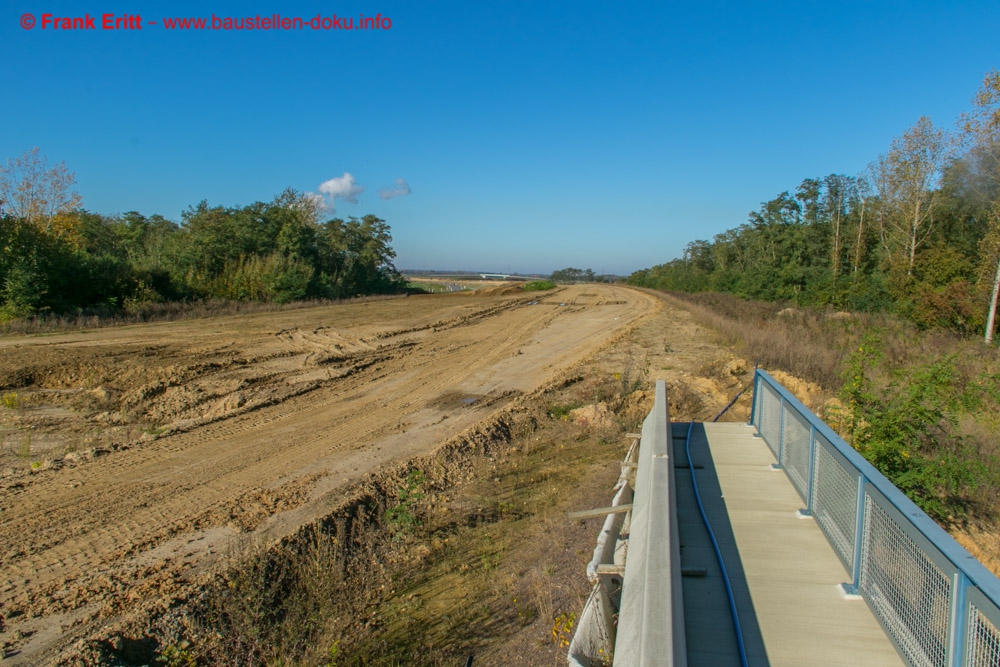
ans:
(131, 456)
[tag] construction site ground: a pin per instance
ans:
(132, 457)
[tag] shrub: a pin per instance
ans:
(275, 278)
(907, 430)
(402, 517)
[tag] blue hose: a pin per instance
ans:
(718, 551)
(730, 404)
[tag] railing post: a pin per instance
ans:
(753, 403)
(859, 526)
(781, 433)
(812, 461)
(959, 615)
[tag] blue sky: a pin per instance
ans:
(532, 135)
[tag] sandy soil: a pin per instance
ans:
(131, 456)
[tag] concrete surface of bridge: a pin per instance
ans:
(784, 574)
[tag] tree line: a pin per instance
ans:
(917, 233)
(58, 257)
(571, 275)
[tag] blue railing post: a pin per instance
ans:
(812, 476)
(859, 527)
(781, 433)
(959, 615)
(753, 403)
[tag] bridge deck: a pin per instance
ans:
(783, 571)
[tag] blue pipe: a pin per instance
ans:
(730, 404)
(718, 551)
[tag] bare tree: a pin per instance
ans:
(33, 191)
(904, 178)
(981, 133)
(991, 245)
(864, 197)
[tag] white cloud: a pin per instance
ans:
(315, 200)
(313, 204)
(401, 190)
(344, 187)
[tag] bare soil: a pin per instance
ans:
(130, 457)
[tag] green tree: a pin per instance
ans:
(22, 290)
(368, 253)
(571, 275)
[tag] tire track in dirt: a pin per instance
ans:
(70, 537)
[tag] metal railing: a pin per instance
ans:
(937, 603)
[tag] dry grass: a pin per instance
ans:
(984, 545)
(814, 344)
(808, 344)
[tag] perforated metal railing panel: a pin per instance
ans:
(795, 450)
(983, 649)
(770, 425)
(907, 592)
(758, 405)
(835, 500)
